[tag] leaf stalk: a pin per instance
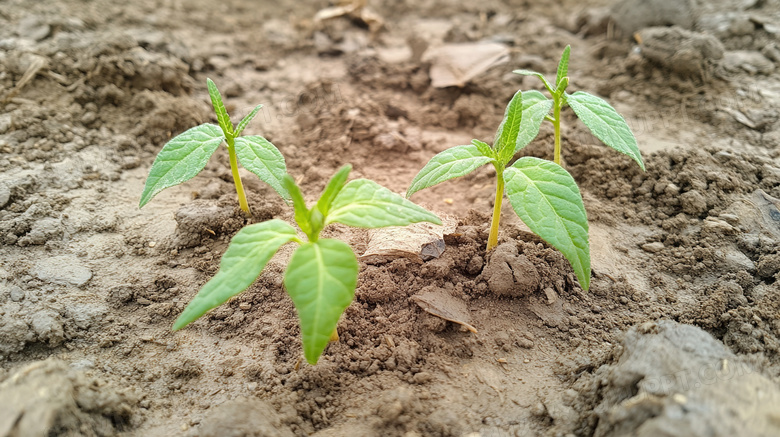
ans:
(493, 237)
(557, 124)
(236, 176)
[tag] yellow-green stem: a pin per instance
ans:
(493, 237)
(557, 124)
(236, 177)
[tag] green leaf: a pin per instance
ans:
(219, 109)
(452, 163)
(321, 279)
(249, 251)
(605, 123)
(245, 121)
(262, 158)
(366, 204)
(333, 188)
(539, 75)
(299, 204)
(563, 67)
(181, 159)
(547, 199)
(535, 107)
(506, 136)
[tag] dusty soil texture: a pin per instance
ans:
(678, 335)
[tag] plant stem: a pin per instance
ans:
(236, 177)
(493, 238)
(557, 123)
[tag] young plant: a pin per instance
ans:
(187, 154)
(321, 275)
(601, 118)
(542, 193)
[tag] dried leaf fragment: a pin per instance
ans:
(441, 304)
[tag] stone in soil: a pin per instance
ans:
(62, 270)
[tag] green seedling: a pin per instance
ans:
(542, 193)
(321, 275)
(187, 154)
(602, 119)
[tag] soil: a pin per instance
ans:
(679, 333)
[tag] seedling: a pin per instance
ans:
(541, 192)
(187, 154)
(321, 275)
(602, 119)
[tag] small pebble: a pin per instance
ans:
(17, 294)
(422, 377)
(525, 343)
(551, 296)
(5, 194)
(654, 247)
(245, 306)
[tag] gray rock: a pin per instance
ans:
(5, 194)
(736, 261)
(676, 380)
(17, 294)
(681, 51)
(634, 15)
(62, 270)
(744, 61)
(33, 27)
(84, 364)
(653, 247)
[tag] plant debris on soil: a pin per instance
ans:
(678, 335)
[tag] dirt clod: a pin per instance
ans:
(48, 397)
(677, 378)
(242, 417)
(510, 274)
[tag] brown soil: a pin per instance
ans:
(686, 256)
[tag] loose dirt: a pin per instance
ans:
(679, 333)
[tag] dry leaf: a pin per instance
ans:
(456, 64)
(442, 304)
(417, 242)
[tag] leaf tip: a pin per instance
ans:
(585, 282)
(311, 358)
(146, 197)
(179, 324)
